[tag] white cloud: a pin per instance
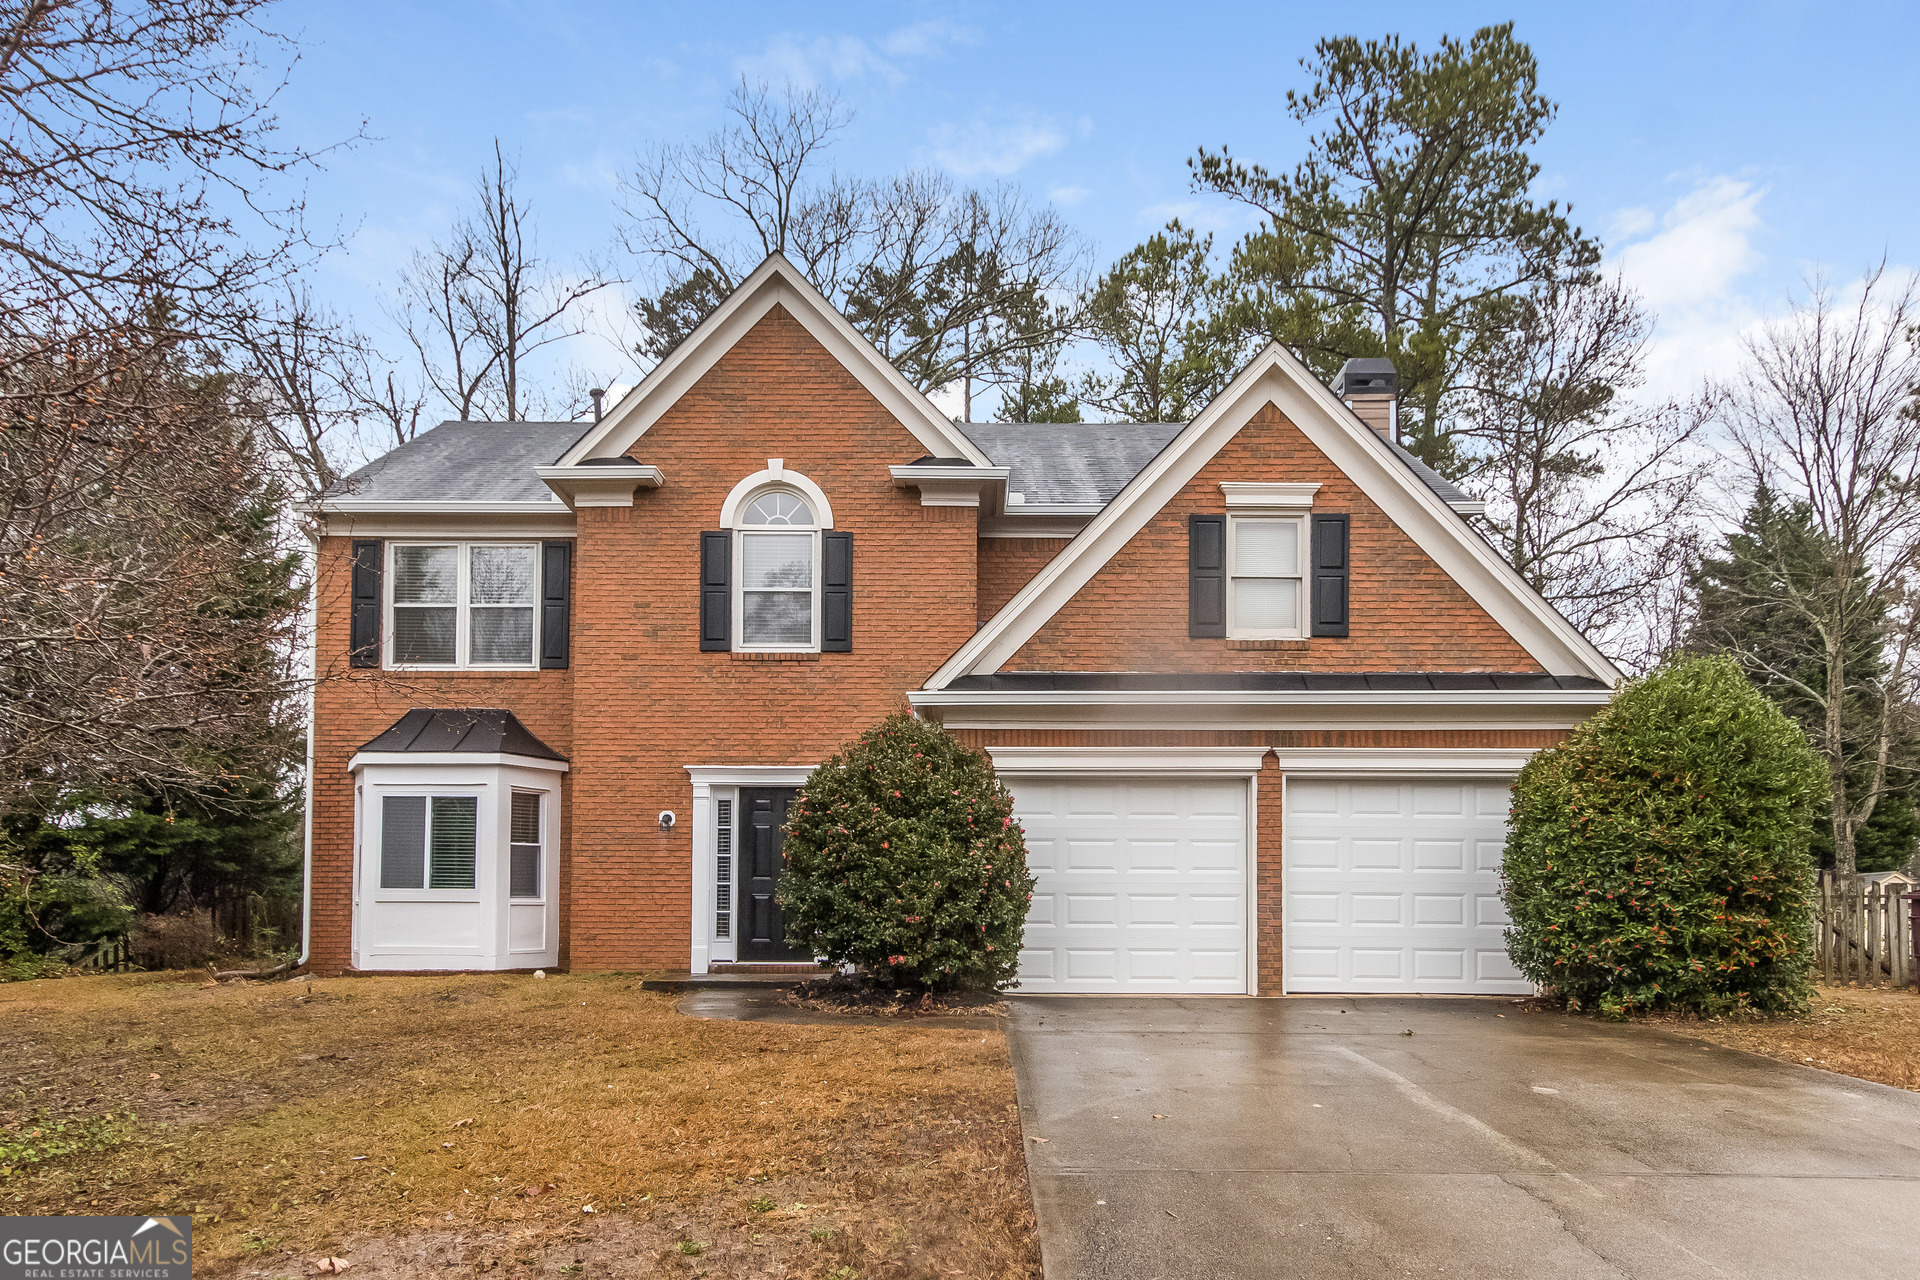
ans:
(999, 144)
(808, 60)
(1068, 196)
(1693, 264)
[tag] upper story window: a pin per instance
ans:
(777, 550)
(1267, 569)
(462, 604)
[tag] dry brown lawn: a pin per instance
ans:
(506, 1125)
(1857, 1031)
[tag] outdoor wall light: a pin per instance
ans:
(666, 819)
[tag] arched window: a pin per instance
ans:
(777, 567)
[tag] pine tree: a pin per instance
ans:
(1776, 554)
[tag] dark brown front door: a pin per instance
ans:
(763, 930)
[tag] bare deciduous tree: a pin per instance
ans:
(944, 281)
(1823, 413)
(480, 306)
(147, 619)
(1591, 496)
(134, 131)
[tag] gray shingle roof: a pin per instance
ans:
(1070, 462)
(489, 730)
(465, 462)
(1449, 491)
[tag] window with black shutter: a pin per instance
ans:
(1332, 553)
(1206, 576)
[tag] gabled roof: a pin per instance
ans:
(464, 462)
(776, 282)
(480, 730)
(1278, 377)
(1070, 463)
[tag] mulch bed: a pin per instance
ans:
(858, 993)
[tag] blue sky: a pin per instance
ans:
(1721, 151)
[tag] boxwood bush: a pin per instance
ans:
(1658, 857)
(903, 857)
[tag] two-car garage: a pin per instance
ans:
(1147, 881)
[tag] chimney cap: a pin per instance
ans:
(1367, 376)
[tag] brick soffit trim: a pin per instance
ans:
(1276, 376)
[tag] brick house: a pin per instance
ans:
(1257, 684)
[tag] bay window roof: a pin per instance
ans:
(480, 730)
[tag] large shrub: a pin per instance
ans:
(903, 857)
(1658, 857)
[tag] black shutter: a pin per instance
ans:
(836, 593)
(363, 627)
(1206, 576)
(716, 592)
(1330, 573)
(556, 603)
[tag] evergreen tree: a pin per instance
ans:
(1775, 555)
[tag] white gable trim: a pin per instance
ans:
(1276, 376)
(776, 282)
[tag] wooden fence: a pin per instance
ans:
(1862, 933)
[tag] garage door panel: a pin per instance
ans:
(1393, 885)
(1150, 892)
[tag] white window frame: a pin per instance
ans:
(741, 532)
(507, 846)
(1302, 553)
(426, 893)
(463, 606)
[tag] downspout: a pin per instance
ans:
(306, 820)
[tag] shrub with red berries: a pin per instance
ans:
(904, 858)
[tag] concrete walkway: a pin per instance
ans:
(1312, 1137)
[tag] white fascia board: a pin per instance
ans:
(380, 506)
(776, 282)
(952, 486)
(1212, 709)
(1018, 523)
(749, 775)
(1277, 376)
(1131, 761)
(1405, 761)
(447, 759)
(600, 486)
(550, 520)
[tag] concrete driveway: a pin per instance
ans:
(1313, 1137)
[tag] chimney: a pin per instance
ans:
(599, 394)
(1371, 389)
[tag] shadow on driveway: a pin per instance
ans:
(1313, 1137)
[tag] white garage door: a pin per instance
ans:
(1142, 884)
(1394, 885)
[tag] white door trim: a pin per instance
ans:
(728, 778)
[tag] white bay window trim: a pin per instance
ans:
(1255, 560)
(466, 608)
(486, 926)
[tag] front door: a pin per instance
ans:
(763, 930)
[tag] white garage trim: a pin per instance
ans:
(1451, 762)
(1120, 764)
(1218, 762)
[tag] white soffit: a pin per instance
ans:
(775, 282)
(1276, 376)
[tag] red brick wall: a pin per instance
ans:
(351, 707)
(1407, 614)
(1008, 564)
(1268, 824)
(649, 703)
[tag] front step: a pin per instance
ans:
(733, 976)
(801, 966)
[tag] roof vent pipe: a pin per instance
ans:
(1371, 388)
(598, 394)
